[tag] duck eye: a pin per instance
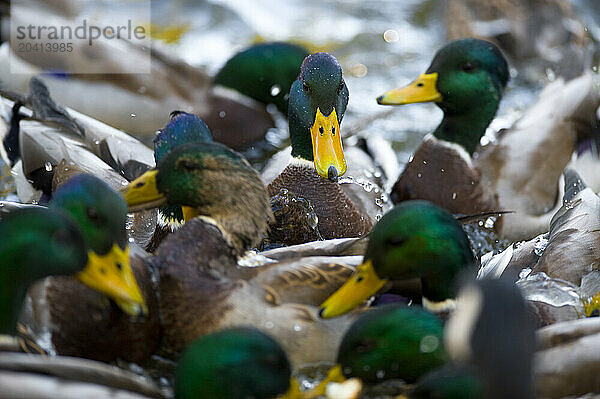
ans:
(188, 165)
(366, 345)
(62, 237)
(468, 67)
(306, 87)
(92, 214)
(396, 241)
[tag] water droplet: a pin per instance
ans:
(419, 175)
(48, 167)
(489, 223)
(453, 195)
(133, 115)
(391, 36)
(442, 170)
(424, 162)
(275, 90)
(524, 273)
(222, 114)
(359, 70)
(410, 159)
(131, 240)
(540, 246)
(429, 343)
(297, 327)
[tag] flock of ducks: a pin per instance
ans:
(187, 283)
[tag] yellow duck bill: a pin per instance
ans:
(327, 146)
(363, 283)
(142, 193)
(111, 275)
(421, 90)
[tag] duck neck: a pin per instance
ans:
(300, 136)
(14, 282)
(242, 222)
(466, 128)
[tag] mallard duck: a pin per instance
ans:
(388, 342)
(26, 231)
(139, 100)
(182, 128)
(235, 363)
(66, 317)
(491, 339)
(415, 240)
(466, 80)
(318, 100)
(198, 263)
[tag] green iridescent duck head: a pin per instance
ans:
(35, 243)
(449, 382)
(264, 72)
(215, 182)
(466, 79)
(318, 100)
(100, 213)
(392, 341)
(182, 128)
(235, 363)
(416, 239)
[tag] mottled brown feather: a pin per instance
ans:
(202, 289)
(338, 216)
(438, 173)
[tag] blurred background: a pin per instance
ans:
(380, 44)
